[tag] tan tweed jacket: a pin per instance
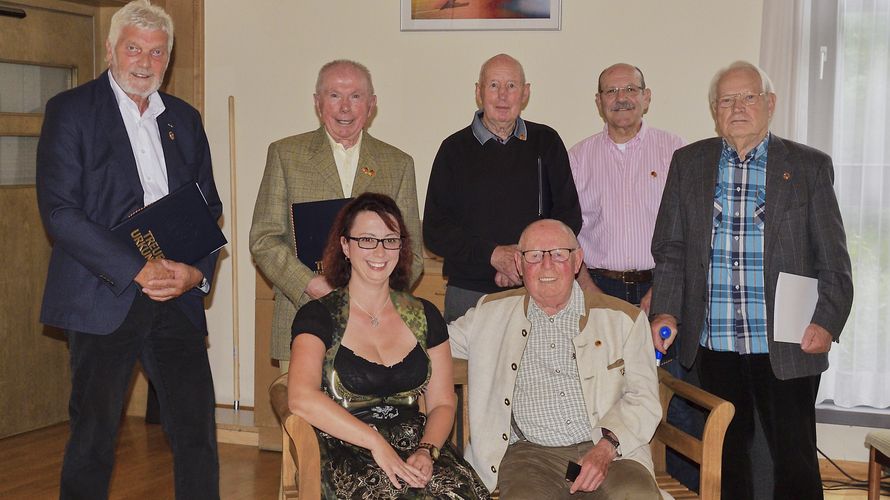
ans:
(301, 168)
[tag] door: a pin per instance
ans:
(43, 50)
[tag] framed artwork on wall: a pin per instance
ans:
(456, 15)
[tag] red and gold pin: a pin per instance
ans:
(368, 171)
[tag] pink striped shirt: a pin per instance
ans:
(619, 192)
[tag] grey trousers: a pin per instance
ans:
(458, 301)
(531, 471)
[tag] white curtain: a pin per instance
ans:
(860, 365)
(784, 55)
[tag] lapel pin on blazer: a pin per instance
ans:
(786, 176)
(170, 133)
(368, 171)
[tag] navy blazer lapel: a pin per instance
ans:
(176, 175)
(706, 169)
(780, 179)
(111, 123)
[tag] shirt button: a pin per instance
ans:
(553, 346)
(551, 319)
(524, 333)
(504, 437)
(513, 366)
(736, 214)
(736, 263)
(737, 287)
(736, 238)
(738, 189)
(558, 370)
(493, 469)
(568, 422)
(562, 394)
(507, 401)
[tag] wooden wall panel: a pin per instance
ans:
(34, 370)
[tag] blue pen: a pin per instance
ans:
(663, 332)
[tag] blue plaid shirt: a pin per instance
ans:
(736, 317)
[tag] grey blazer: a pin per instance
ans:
(804, 235)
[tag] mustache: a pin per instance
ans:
(623, 106)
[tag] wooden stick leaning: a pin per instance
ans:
(236, 350)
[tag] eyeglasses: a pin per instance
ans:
(747, 99)
(556, 255)
(369, 243)
(629, 91)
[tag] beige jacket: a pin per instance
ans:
(616, 362)
(301, 168)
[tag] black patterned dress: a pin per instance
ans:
(384, 398)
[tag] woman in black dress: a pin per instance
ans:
(361, 357)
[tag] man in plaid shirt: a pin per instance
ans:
(737, 210)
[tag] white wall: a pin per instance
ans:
(267, 54)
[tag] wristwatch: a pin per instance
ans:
(433, 449)
(610, 437)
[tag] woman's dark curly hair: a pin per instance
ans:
(337, 270)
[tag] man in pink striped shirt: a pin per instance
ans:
(620, 174)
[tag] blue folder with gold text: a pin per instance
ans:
(177, 227)
(312, 222)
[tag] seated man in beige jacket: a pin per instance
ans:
(559, 376)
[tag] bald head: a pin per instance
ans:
(499, 60)
(550, 226)
(621, 67)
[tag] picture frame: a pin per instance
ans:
(467, 15)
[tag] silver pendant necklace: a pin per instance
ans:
(375, 318)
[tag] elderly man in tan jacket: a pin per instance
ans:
(558, 376)
(339, 159)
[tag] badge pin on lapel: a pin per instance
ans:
(170, 133)
(368, 171)
(786, 176)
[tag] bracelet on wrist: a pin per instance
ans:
(431, 448)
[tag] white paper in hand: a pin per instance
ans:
(796, 298)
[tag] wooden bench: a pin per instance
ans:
(301, 469)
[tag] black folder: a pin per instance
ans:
(177, 227)
(312, 222)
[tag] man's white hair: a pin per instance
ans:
(766, 85)
(141, 14)
(361, 68)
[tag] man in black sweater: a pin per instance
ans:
(488, 182)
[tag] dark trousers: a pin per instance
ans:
(458, 301)
(681, 414)
(628, 292)
(787, 414)
(174, 355)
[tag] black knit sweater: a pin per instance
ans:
(481, 196)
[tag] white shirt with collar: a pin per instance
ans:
(145, 139)
(347, 161)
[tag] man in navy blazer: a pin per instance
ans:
(738, 210)
(108, 148)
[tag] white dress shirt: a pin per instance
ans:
(145, 139)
